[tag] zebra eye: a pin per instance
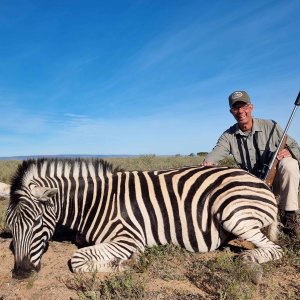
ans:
(43, 202)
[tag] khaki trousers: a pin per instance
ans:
(286, 184)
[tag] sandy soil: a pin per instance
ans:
(48, 284)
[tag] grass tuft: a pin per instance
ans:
(117, 286)
(163, 261)
(222, 277)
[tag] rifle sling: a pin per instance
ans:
(260, 159)
(244, 165)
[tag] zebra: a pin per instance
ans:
(120, 212)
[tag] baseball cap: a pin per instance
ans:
(237, 96)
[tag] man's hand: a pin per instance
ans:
(283, 154)
(208, 163)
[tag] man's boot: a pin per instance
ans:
(290, 223)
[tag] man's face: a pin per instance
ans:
(242, 112)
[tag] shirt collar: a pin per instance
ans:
(255, 127)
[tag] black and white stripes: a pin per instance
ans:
(119, 212)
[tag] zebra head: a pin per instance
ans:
(31, 219)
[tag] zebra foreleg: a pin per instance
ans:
(104, 257)
(265, 250)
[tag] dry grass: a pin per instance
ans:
(169, 272)
(7, 169)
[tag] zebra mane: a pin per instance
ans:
(31, 167)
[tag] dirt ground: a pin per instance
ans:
(49, 283)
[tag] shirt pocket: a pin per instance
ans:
(237, 157)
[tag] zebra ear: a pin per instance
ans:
(44, 193)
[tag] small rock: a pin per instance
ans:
(255, 270)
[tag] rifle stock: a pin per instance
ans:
(272, 169)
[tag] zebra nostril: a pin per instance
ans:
(24, 269)
(22, 273)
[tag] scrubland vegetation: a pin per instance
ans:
(168, 272)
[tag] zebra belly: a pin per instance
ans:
(195, 241)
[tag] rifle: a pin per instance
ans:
(272, 167)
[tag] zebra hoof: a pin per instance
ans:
(255, 271)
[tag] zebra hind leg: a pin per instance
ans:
(105, 257)
(265, 250)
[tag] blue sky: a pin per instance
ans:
(141, 76)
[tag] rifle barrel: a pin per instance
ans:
(297, 103)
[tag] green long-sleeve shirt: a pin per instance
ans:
(253, 149)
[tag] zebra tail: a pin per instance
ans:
(273, 231)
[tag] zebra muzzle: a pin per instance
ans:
(24, 269)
